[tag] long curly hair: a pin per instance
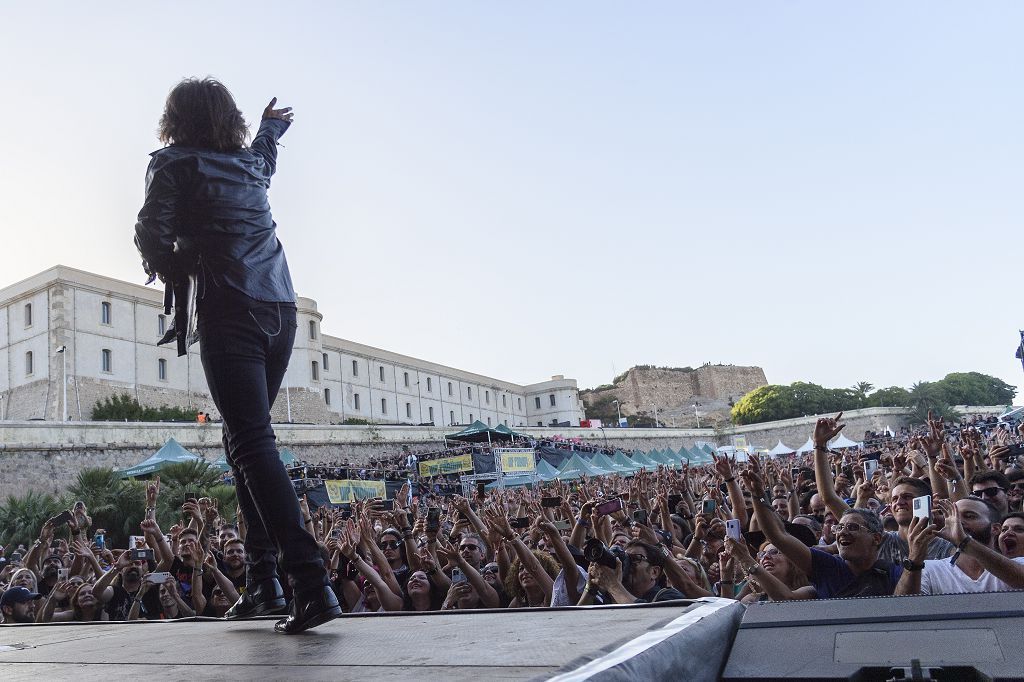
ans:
(512, 586)
(200, 112)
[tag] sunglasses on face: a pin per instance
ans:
(852, 527)
(989, 492)
(394, 544)
(637, 558)
(768, 552)
(1017, 486)
(474, 548)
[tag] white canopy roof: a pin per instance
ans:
(781, 449)
(843, 442)
(806, 447)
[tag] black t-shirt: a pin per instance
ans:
(120, 605)
(658, 593)
(183, 574)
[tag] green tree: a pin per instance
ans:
(974, 388)
(123, 407)
(929, 396)
(185, 477)
(861, 390)
(22, 517)
(766, 403)
(894, 396)
(115, 504)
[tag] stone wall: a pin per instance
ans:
(674, 391)
(47, 456)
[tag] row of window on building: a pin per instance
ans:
(106, 363)
(106, 314)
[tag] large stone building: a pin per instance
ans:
(109, 329)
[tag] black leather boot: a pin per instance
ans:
(258, 599)
(310, 610)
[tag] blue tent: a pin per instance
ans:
(171, 453)
(577, 467)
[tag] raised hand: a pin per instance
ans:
(754, 483)
(953, 530)
(281, 114)
(153, 491)
(724, 466)
(826, 429)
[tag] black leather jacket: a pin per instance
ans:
(206, 214)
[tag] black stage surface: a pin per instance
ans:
(677, 640)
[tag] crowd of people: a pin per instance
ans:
(930, 511)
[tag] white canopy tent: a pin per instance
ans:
(781, 449)
(843, 442)
(806, 447)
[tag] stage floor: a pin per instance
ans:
(504, 645)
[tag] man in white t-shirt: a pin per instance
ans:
(972, 524)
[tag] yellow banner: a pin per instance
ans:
(447, 465)
(513, 461)
(345, 491)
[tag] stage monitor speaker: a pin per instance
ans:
(941, 637)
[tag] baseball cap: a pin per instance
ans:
(17, 595)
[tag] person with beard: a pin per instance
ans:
(233, 561)
(116, 596)
(50, 573)
(18, 605)
(1015, 495)
(972, 524)
(645, 583)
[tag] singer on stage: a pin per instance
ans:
(206, 230)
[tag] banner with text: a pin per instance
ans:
(447, 465)
(349, 490)
(517, 460)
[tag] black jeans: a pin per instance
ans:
(245, 346)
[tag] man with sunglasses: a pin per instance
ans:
(992, 486)
(856, 572)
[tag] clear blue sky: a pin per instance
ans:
(830, 191)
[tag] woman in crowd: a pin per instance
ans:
(772, 577)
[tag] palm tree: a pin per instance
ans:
(927, 397)
(180, 478)
(861, 390)
(115, 504)
(21, 518)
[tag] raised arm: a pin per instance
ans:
(726, 469)
(825, 430)
(1004, 568)
(773, 528)
(273, 125)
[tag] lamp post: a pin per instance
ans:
(64, 381)
(655, 415)
(288, 396)
(618, 411)
(696, 413)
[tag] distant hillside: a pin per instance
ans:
(673, 390)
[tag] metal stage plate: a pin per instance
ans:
(498, 645)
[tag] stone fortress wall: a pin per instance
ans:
(47, 456)
(674, 391)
